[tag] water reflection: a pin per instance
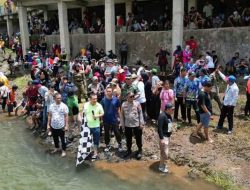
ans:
(24, 165)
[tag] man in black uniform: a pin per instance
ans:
(165, 131)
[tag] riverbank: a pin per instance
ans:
(226, 162)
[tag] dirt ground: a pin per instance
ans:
(229, 153)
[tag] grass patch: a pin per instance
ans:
(223, 180)
(21, 82)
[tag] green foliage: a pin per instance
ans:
(223, 180)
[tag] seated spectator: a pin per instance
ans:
(230, 66)
(217, 22)
(198, 20)
(246, 17)
(144, 25)
(234, 19)
(136, 27)
(154, 25)
(242, 68)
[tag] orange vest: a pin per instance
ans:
(248, 86)
(12, 97)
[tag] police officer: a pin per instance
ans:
(79, 80)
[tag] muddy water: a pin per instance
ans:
(24, 165)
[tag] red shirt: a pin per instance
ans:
(32, 94)
(121, 77)
(192, 44)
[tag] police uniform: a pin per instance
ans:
(80, 82)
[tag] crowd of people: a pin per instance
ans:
(120, 99)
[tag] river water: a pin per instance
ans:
(25, 165)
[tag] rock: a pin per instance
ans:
(195, 173)
(154, 157)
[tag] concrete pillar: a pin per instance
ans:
(192, 3)
(9, 22)
(63, 26)
(23, 24)
(177, 31)
(110, 25)
(128, 7)
(45, 14)
(83, 9)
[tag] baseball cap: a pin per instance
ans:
(231, 78)
(169, 106)
(133, 76)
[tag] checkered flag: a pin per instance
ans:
(85, 144)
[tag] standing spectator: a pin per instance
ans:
(187, 55)
(222, 9)
(58, 123)
(177, 55)
(179, 94)
(93, 112)
(205, 110)
(164, 131)
(208, 13)
(192, 91)
(210, 62)
(132, 121)
(124, 52)
(247, 107)
(129, 87)
(4, 90)
(193, 45)
(162, 60)
(166, 95)
(138, 82)
(215, 58)
(229, 102)
(155, 79)
(11, 101)
(79, 80)
(111, 107)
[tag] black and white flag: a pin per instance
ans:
(85, 144)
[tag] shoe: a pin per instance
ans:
(138, 155)
(163, 169)
(107, 149)
(120, 148)
(128, 154)
(229, 132)
(94, 158)
(219, 127)
(63, 154)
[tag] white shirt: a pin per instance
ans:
(58, 113)
(140, 85)
(231, 93)
(208, 10)
(155, 80)
(210, 62)
(4, 91)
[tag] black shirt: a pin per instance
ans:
(164, 125)
(204, 99)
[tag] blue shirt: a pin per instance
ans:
(192, 89)
(180, 86)
(110, 107)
